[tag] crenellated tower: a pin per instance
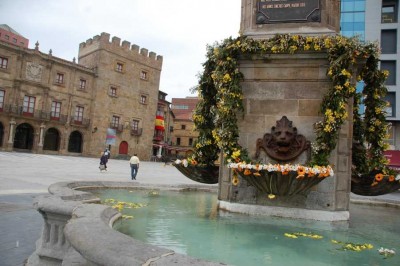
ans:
(127, 85)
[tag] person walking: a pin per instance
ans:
(103, 162)
(134, 163)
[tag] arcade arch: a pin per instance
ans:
(24, 135)
(52, 140)
(75, 142)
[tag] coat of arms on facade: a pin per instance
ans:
(34, 71)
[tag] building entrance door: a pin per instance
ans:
(123, 147)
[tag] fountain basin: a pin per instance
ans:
(78, 231)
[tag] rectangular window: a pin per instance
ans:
(178, 141)
(113, 91)
(3, 62)
(391, 108)
(82, 84)
(143, 99)
(135, 125)
(183, 127)
(2, 93)
(79, 114)
(14, 40)
(389, 65)
(60, 78)
(143, 75)
(389, 41)
(190, 141)
(115, 121)
(55, 110)
(119, 67)
(29, 105)
(6, 37)
(389, 11)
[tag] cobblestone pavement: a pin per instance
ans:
(24, 176)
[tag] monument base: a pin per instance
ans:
(296, 213)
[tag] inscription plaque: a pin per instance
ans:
(285, 11)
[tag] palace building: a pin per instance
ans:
(109, 97)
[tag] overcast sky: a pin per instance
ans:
(179, 30)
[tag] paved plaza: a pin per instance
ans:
(23, 176)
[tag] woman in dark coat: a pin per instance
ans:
(103, 162)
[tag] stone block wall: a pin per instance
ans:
(292, 86)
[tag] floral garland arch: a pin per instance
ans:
(221, 101)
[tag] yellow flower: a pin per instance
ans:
(236, 154)
(235, 180)
(345, 73)
(271, 196)
(227, 78)
(290, 235)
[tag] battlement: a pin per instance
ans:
(125, 48)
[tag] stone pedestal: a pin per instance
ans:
(265, 18)
(289, 85)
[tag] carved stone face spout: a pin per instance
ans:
(283, 143)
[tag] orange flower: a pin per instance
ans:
(391, 178)
(285, 172)
(194, 162)
(311, 173)
(247, 172)
(379, 177)
(301, 171)
(326, 174)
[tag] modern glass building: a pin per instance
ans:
(377, 20)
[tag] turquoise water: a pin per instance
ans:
(189, 223)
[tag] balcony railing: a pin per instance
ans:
(16, 110)
(29, 113)
(62, 119)
(136, 132)
(117, 127)
(79, 121)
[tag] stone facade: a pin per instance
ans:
(50, 105)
